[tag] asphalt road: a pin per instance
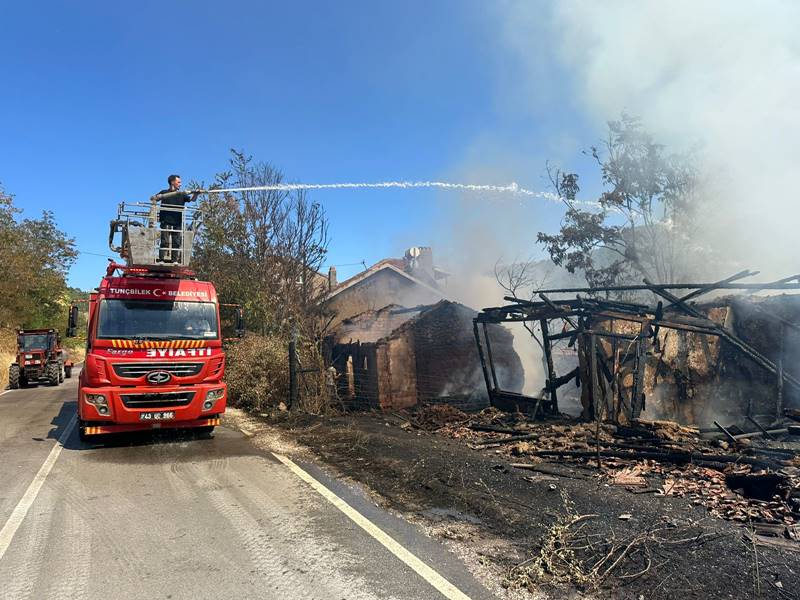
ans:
(174, 516)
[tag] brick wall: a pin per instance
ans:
(372, 325)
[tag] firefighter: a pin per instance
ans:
(170, 218)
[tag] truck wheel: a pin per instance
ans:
(13, 377)
(51, 373)
(60, 373)
(68, 372)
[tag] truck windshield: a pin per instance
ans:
(131, 319)
(34, 342)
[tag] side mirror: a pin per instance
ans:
(239, 322)
(72, 323)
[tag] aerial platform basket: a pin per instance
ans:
(143, 241)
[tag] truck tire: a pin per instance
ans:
(13, 377)
(51, 373)
(68, 372)
(60, 373)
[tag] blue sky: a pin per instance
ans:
(101, 100)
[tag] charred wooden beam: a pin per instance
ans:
(637, 394)
(611, 334)
(557, 310)
(509, 440)
(594, 383)
(527, 317)
(732, 438)
(715, 286)
(490, 355)
(491, 429)
(551, 372)
(783, 284)
(781, 281)
(565, 379)
(780, 374)
(760, 428)
(482, 358)
(570, 333)
(604, 304)
(674, 457)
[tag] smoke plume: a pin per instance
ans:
(721, 75)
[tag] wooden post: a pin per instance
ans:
(598, 411)
(779, 399)
(613, 406)
(293, 389)
(638, 373)
(489, 389)
(490, 356)
(551, 372)
(593, 375)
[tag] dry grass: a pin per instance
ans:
(257, 374)
(590, 560)
(7, 355)
(76, 350)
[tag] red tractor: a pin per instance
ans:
(39, 357)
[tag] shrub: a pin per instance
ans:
(257, 374)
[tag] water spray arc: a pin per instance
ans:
(512, 188)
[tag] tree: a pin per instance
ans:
(643, 225)
(35, 256)
(264, 249)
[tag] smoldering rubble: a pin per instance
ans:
(677, 399)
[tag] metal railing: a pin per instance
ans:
(154, 233)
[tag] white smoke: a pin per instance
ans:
(722, 74)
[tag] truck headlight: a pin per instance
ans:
(99, 402)
(211, 397)
(29, 356)
(96, 399)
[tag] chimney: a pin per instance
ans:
(419, 263)
(332, 283)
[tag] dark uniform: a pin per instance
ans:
(171, 223)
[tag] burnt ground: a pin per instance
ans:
(542, 531)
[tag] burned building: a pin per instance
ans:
(396, 357)
(409, 281)
(735, 357)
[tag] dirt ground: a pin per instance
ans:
(560, 531)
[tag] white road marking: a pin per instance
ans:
(2, 393)
(16, 518)
(447, 589)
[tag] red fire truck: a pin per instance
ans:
(154, 350)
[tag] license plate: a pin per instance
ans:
(157, 416)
